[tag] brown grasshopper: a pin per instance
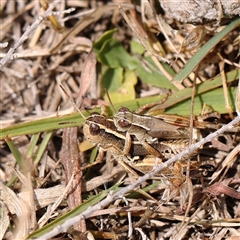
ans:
(148, 129)
(102, 132)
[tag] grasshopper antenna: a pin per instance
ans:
(109, 99)
(72, 101)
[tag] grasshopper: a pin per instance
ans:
(164, 126)
(102, 132)
(146, 129)
(149, 129)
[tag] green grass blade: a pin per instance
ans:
(46, 124)
(213, 98)
(14, 150)
(42, 147)
(32, 145)
(59, 122)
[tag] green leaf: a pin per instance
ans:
(112, 79)
(114, 55)
(137, 47)
(122, 90)
(106, 36)
(150, 74)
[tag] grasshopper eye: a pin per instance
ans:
(123, 123)
(94, 129)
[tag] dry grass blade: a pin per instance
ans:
(87, 77)
(227, 163)
(16, 206)
(220, 188)
(71, 163)
(5, 220)
(70, 156)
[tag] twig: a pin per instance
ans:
(10, 54)
(111, 197)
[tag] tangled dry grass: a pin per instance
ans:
(133, 51)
